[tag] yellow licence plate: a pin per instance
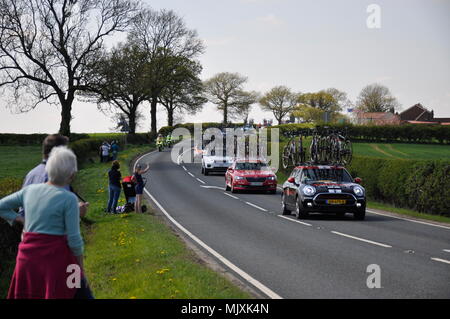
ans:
(336, 201)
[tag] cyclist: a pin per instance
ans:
(160, 142)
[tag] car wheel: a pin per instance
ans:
(360, 215)
(206, 172)
(299, 213)
(203, 170)
(232, 188)
(227, 188)
(284, 209)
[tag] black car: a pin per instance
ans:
(323, 189)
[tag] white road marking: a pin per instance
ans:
(295, 221)
(271, 294)
(441, 260)
(201, 181)
(407, 219)
(229, 195)
(362, 239)
(256, 206)
(214, 187)
(191, 174)
(447, 250)
(184, 167)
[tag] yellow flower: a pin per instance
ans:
(133, 297)
(114, 279)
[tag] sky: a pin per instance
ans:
(304, 45)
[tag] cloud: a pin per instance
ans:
(270, 19)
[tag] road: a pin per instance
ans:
(321, 257)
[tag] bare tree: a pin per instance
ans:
(45, 46)
(280, 101)
(163, 34)
(376, 98)
(225, 90)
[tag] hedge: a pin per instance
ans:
(423, 186)
(33, 139)
(408, 133)
(190, 126)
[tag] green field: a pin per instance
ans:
(16, 161)
(403, 151)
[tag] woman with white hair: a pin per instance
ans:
(50, 258)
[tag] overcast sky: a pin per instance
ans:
(305, 45)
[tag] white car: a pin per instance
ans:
(215, 160)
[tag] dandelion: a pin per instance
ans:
(114, 279)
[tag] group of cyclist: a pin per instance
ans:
(163, 142)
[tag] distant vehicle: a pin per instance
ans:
(251, 175)
(215, 160)
(323, 189)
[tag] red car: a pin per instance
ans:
(252, 175)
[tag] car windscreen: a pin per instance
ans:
(251, 166)
(326, 174)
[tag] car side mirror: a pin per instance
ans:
(358, 180)
(291, 180)
(230, 170)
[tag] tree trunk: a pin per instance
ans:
(66, 117)
(153, 109)
(132, 122)
(225, 113)
(170, 116)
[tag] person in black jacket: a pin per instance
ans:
(114, 187)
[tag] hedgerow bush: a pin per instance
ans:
(33, 139)
(423, 186)
(9, 236)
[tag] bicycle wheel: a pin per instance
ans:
(346, 152)
(286, 158)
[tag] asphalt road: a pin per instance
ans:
(321, 257)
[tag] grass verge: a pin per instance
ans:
(138, 256)
(407, 212)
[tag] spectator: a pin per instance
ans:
(104, 149)
(137, 178)
(114, 150)
(114, 187)
(52, 239)
(39, 175)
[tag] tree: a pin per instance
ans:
(242, 110)
(46, 45)
(163, 35)
(118, 81)
(321, 100)
(184, 89)
(280, 101)
(376, 98)
(225, 90)
(340, 97)
(308, 114)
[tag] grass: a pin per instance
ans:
(403, 151)
(16, 161)
(407, 212)
(138, 256)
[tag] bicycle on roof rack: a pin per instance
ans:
(328, 146)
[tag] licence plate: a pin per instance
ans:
(336, 201)
(256, 183)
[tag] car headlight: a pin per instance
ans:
(271, 178)
(309, 190)
(358, 191)
(239, 178)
